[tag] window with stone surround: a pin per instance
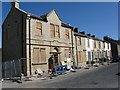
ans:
(57, 32)
(67, 53)
(36, 55)
(99, 45)
(43, 55)
(79, 41)
(108, 45)
(38, 30)
(94, 44)
(52, 30)
(39, 55)
(80, 56)
(67, 34)
(104, 45)
(88, 42)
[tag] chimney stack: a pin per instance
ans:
(93, 36)
(15, 4)
(89, 34)
(76, 30)
(82, 33)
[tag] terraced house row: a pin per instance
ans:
(45, 41)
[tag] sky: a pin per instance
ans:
(96, 18)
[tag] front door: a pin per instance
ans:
(80, 58)
(56, 60)
(50, 61)
(84, 56)
(53, 61)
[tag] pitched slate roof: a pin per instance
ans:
(44, 17)
(106, 38)
(95, 38)
(38, 17)
(87, 36)
(66, 25)
(80, 34)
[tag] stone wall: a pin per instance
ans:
(45, 41)
(13, 36)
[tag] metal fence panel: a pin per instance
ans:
(12, 68)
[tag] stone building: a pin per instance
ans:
(30, 42)
(101, 48)
(107, 49)
(89, 47)
(39, 41)
(80, 47)
(98, 48)
(114, 45)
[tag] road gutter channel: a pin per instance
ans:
(82, 70)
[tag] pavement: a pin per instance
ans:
(103, 76)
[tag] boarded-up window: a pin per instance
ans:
(70, 53)
(67, 34)
(67, 53)
(57, 31)
(43, 55)
(39, 55)
(38, 30)
(84, 56)
(36, 55)
(80, 56)
(52, 30)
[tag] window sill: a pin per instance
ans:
(56, 37)
(39, 63)
(38, 35)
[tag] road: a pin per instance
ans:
(95, 77)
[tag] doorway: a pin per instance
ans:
(53, 60)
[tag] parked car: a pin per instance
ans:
(116, 59)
